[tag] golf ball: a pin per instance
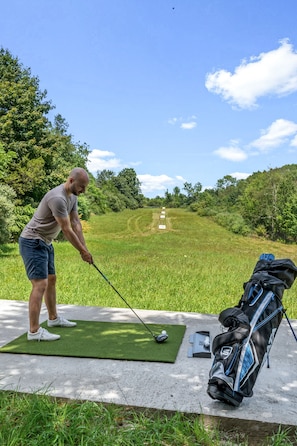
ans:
(164, 332)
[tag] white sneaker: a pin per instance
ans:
(60, 322)
(42, 335)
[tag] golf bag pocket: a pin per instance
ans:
(242, 350)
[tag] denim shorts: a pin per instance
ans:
(38, 257)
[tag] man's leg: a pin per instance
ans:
(36, 333)
(51, 303)
(35, 301)
(50, 297)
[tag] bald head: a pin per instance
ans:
(77, 181)
(78, 172)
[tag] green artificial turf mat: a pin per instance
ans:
(105, 340)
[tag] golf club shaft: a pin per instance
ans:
(138, 317)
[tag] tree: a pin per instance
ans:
(226, 181)
(39, 154)
(258, 203)
(23, 125)
(63, 156)
(286, 218)
(5, 159)
(207, 203)
(228, 192)
(192, 192)
(155, 202)
(106, 187)
(128, 186)
(7, 219)
(96, 198)
(104, 178)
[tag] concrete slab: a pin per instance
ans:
(176, 387)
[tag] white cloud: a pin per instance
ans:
(188, 125)
(173, 121)
(280, 132)
(184, 123)
(151, 183)
(240, 175)
(231, 153)
(275, 135)
(271, 73)
(294, 141)
(97, 161)
(179, 178)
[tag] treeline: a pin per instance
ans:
(37, 154)
(265, 204)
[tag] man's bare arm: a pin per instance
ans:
(76, 226)
(73, 233)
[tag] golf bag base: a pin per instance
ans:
(242, 350)
(219, 391)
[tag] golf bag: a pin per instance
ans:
(242, 350)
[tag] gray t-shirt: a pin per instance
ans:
(43, 225)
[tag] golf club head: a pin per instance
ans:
(161, 338)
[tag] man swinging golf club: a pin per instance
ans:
(56, 212)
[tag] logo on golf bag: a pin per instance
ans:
(226, 352)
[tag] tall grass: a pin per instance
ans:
(193, 265)
(34, 420)
(40, 420)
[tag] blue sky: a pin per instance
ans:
(179, 90)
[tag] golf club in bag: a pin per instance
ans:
(158, 338)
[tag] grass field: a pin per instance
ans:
(193, 265)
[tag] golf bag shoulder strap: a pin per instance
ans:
(259, 282)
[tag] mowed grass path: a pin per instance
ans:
(193, 265)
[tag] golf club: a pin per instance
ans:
(158, 338)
